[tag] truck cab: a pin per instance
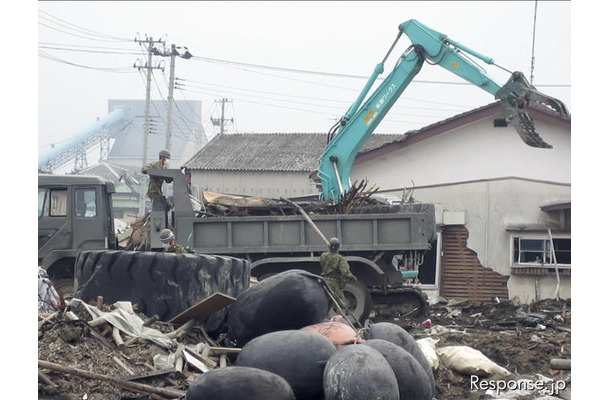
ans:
(74, 214)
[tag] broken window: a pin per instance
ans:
(540, 250)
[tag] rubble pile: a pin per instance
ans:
(521, 351)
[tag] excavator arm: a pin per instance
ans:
(351, 132)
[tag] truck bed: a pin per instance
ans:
(378, 228)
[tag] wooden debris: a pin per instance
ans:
(224, 361)
(100, 302)
(230, 350)
(196, 360)
(122, 365)
(105, 342)
(561, 364)
(204, 308)
(178, 333)
(116, 335)
(201, 358)
(169, 393)
(46, 380)
(47, 319)
(155, 374)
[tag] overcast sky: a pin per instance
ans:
(285, 66)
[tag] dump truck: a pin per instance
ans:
(76, 238)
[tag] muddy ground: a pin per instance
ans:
(521, 338)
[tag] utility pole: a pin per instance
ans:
(170, 98)
(149, 67)
(221, 121)
(170, 90)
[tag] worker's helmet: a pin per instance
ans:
(164, 153)
(334, 244)
(166, 235)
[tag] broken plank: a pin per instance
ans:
(182, 330)
(201, 358)
(152, 375)
(195, 360)
(46, 379)
(123, 365)
(204, 308)
(233, 350)
(171, 393)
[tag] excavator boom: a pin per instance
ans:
(351, 132)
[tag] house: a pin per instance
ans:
(503, 209)
(265, 165)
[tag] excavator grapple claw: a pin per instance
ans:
(515, 96)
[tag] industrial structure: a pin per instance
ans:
(119, 135)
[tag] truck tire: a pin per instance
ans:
(359, 300)
(163, 284)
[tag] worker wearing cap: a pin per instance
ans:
(155, 184)
(335, 269)
(168, 240)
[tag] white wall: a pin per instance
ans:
(475, 151)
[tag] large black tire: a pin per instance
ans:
(162, 284)
(357, 295)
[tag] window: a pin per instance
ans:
(41, 198)
(52, 203)
(533, 251)
(85, 201)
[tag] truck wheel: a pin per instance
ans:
(359, 300)
(164, 284)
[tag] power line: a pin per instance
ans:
(319, 73)
(59, 60)
(64, 24)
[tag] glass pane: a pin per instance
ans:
(85, 203)
(59, 202)
(562, 244)
(41, 197)
(531, 244)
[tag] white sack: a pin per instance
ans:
(428, 347)
(468, 361)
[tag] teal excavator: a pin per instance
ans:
(348, 135)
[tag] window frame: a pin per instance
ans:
(545, 251)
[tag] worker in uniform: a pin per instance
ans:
(155, 184)
(168, 240)
(335, 269)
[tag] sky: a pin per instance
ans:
(284, 66)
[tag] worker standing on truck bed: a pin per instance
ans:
(335, 269)
(155, 184)
(168, 240)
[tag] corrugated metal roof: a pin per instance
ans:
(295, 152)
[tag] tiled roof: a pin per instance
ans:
(296, 152)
